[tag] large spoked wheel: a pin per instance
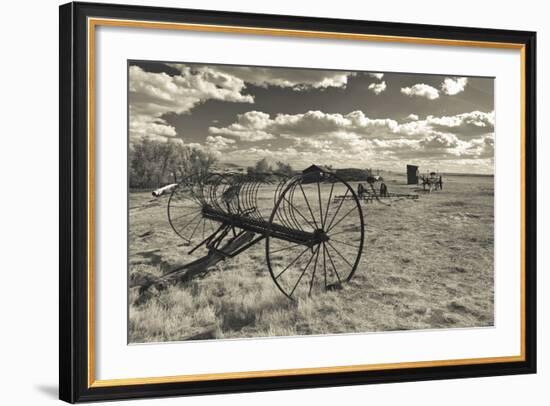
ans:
(325, 205)
(185, 212)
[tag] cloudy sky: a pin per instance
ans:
(303, 116)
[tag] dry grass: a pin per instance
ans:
(426, 264)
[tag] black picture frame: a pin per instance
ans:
(74, 385)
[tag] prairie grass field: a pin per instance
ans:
(425, 264)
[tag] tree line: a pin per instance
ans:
(153, 163)
(263, 167)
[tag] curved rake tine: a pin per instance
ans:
(276, 197)
(180, 195)
(243, 195)
(214, 193)
(289, 213)
(300, 213)
(240, 207)
(205, 191)
(233, 203)
(248, 197)
(219, 190)
(297, 223)
(278, 191)
(254, 197)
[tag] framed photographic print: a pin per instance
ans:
(257, 202)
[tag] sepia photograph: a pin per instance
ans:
(276, 202)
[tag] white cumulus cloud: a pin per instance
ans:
(421, 90)
(250, 126)
(152, 95)
(452, 86)
(377, 88)
(333, 138)
(257, 126)
(378, 76)
(218, 142)
(297, 79)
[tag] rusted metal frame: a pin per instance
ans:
(241, 249)
(262, 227)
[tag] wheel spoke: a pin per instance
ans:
(183, 227)
(303, 272)
(292, 263)
(185, 215)
(325, 266)
(328, 205)
(339, 254)
(313, 274)
(320, 206)
(286, 248)
(338, 222)
(308, 206)
(339, 232)
(299, 212)
(345, 243)
(333, 217)
(194, 230)
(338, 209)
(332, 262)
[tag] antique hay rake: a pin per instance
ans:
(313, 241)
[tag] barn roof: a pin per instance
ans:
(316, 168)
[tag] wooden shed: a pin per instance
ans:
(412, 174)
(314, 173)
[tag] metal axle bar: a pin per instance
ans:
(263, 228)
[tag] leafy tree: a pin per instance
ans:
(263, 166)
(153, 162)
(284, 169)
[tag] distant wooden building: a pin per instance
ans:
(412, 175)
(314, 173)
